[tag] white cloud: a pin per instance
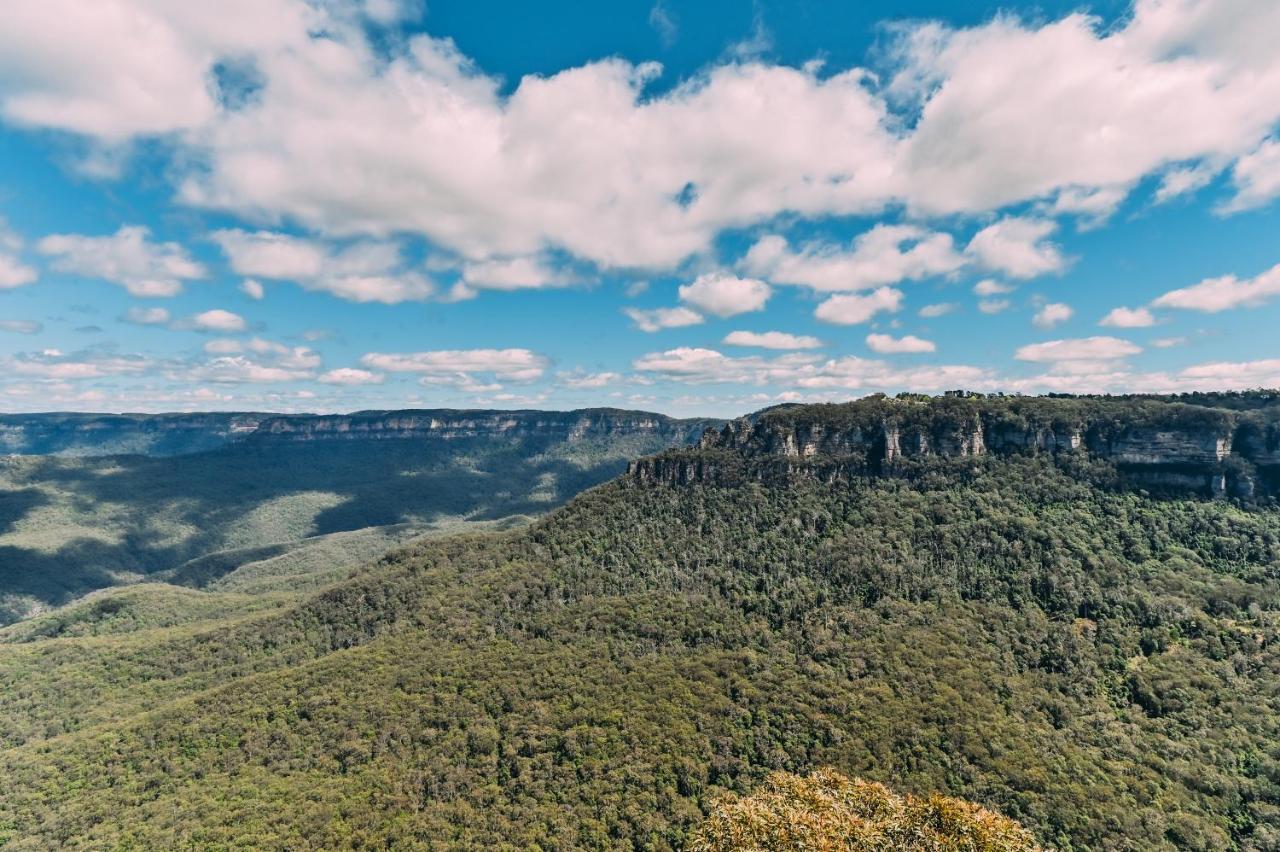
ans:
(350, 138)
(517, 365)
(656, 319)
(1054, 313)
(989, 287)
(21, 326)
(1234, 374)
(887, 254)
(113, 70)
(13, 272)
(886, 344)
(1080, 349)
(1128, 318)
(772, 340)
(60, 366)
(1016, 246)
(360, 272)
(347, 143)
(940, 309)
(1168, 342)
(1257, 177)
(351, 376)
(127, 257)
(239, 369)
(517, 273)
(580, 380)
(724, 295)
(797, 370)
(1220, 294)
(1184, 179)
(253, 289)
(994, 306)
(854, 309)
(215, 320)
(1013, 111)
(147, 316)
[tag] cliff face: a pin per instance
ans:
(1157, 443)
(448, 424)
(178, 434)
(121, 434)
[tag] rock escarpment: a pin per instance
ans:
(450, 424)
(73, 434)
(1158, 443)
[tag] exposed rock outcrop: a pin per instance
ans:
(449, 424)
(1156, 443)
(72, 434)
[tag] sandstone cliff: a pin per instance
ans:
(1157, 443)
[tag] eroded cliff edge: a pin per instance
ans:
(1154, 442)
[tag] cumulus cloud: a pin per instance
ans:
(853, 309)
(886, 344)
(887, 254)
(214, 320)
(723, 295)
(939, 309)
(115, 70)
(240, 369)
(1054, 313)
(1128, 318)
(581, 380)
(991, 287)
(363, 271)
(1011, 111)
(278, 354)
(1256, 177)
(656, 319)
(351, 376)
(994, 306)
(1220, 294)
(349, 134)
(128, 258)
(253, 289)
(1017, 247)
(57, 365)
(13, 272)
(808, 372)
(1080, 349)
(516, 365)
(516, 273)
(772, 340)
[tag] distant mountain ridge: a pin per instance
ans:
(129, 498)
(89, 434)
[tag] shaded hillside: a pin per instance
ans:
(1026, 630)
(71, 525)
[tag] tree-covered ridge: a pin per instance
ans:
(1095, 663)
(827, 811)
(929, 412)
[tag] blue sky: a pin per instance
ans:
(696, 208)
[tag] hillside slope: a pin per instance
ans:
(1029, 630)
(72, 525)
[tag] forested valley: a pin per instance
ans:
(1041, 633)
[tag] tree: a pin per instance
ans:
(827, 811)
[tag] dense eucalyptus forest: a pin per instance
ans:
(1059, 636)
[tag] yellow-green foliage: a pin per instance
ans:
(827, 811)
